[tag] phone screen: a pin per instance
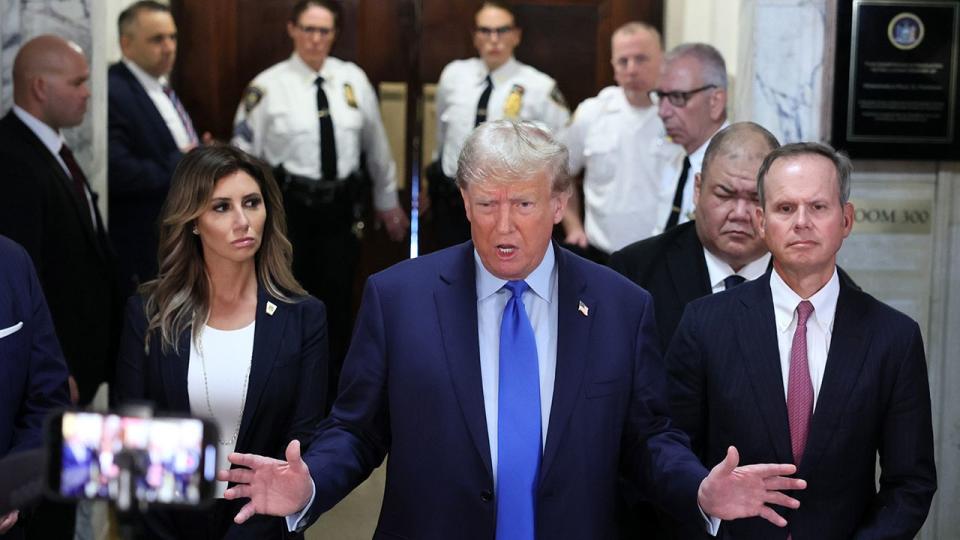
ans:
(170, 459)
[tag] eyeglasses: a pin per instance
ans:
(311, 31)
(677, 98)
(488, 32)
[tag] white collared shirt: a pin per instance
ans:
(720, 270)
(277, 122)
(819, 326)
(168, 111)
(540, 301)
(668, 184)
(458, 93)
(622, 150)
(53, 141)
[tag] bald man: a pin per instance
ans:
(48, 207)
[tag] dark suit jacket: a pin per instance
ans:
(411, 387)
(285, 395)
(672, 268)
(727, 389)
(141, 158)
(40, 211)
(33, 375)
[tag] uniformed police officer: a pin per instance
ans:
(311, 116)
(474, 90)
(619, 142)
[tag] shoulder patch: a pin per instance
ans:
(349, 95)
(251, 97)
(558, 98)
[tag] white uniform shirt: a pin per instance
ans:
(719, 270)
(458, 92)
(624, 151)
(168, 111)
(819, 326)
(668, 185)
(277, 121)
(220, 376)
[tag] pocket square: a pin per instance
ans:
(4, 332)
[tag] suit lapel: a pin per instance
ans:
(844, 362)
(687, 265)
(573, 333)
(267, 338)
(456, 301)
(173, 373)
(757, 336)
(147, 107)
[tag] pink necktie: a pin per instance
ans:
(799, 387)
(182, 112)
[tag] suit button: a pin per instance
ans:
(486, 495)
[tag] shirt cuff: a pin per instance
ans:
(386, 199)
(711, 524)
(294, 520)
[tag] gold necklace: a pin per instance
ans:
(206, 390)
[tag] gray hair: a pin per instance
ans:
(713, 67)
(840, 162)
(730, 138)
(507, 150)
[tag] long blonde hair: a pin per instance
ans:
(180, 295)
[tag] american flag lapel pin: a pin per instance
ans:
(583, 309)
(271, 307)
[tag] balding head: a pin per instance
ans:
(50, 81)
(725, 193)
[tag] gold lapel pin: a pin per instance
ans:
(583, 309)
(271, 307)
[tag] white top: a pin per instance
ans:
(819, 326)
(519, 91)
(53, 141)
(540, 302)
(668, 184)
(719, 270)
(227, 355)
(624, 151)
(277, 121)
(168, 111)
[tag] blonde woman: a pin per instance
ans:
(225, 331)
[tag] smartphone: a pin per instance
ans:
(158, 460)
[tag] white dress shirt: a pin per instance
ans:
(277, 122)
(720, 270)
(622, 150)
(819, 326)
(168, 111)
(458, 93)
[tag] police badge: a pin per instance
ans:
(349, 95)
(511, 108)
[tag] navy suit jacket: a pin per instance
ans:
(33, 374)
(142, 156)
(726, 388)
(411, 387)
(73, 258)
(285, 395)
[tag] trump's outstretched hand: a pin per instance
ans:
(274, 487)
(732, 492)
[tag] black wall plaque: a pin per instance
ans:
(895, 90)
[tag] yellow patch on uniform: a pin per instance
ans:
(251, 97)
(511, 108)
(349, 95)
(557, 96)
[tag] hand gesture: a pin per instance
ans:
(274, 487)
(731, 492)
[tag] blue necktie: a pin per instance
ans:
(732, 281)
(518, 425)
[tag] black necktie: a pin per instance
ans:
(732, 281)
(328, 147)
(79, 182)
(482, 104)
(678, 196)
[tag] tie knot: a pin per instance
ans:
(517, 287)
(318, 81)
(732, 281)
(804, 309)
(488, 81)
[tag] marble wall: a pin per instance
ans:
(83, 22)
